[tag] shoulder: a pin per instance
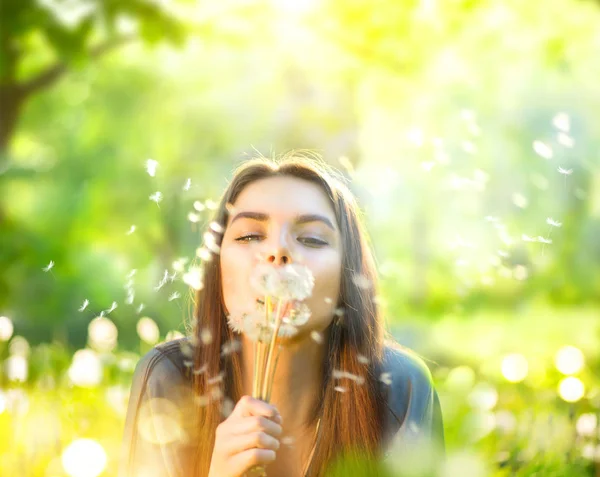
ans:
(410, 395)
(164, 366)
(404, 365)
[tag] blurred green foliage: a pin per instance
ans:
(450, 120)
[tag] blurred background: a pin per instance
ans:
(468, 129)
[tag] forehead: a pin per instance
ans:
(284, 196)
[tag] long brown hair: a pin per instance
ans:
(351, 422)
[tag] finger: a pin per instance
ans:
(249, 406)
(247, 425)
(251, 457)
(242, 442)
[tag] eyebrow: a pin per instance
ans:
(300, 219)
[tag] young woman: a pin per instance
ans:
(191, 413)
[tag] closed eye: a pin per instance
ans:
(248, 238)
(312, 241)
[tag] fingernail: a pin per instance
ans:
(279, 418)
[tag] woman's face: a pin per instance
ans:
(282, 220)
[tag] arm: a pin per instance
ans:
(157, 438)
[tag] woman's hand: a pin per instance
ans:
(248, 437)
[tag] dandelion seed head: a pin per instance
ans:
(542, 149)
(151, 166)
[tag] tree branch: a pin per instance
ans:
(48, 77)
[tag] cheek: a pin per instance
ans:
(327, 274)
(235, 275)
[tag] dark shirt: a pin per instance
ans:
(158, 437)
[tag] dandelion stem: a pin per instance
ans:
(272, 378)
(255, 375)
(271, 348)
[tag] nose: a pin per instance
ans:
(280, 256)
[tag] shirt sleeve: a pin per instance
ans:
(157, 440)
(419, 439)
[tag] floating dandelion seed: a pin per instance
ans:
(544, 240)
(542, 149)
(527, 238)
(340, 389)
(112, 307)
(194, 218)
(199, 206)
(132, 273)
(86, 302)
(156, 197)
(206, 336)
(566, 172)
(49, 267)
(210, 204)
(316, 336)
(204, 254)
(386, 378)
(216, 227)
(139, 308)
(174, 296)
(193, 278)
(361, 281)
(362, 359)
(562, 121)
(553, 223)
(131, 230)
(566, 140)
(188, 184)
(162, 281)
(287, 440)
(502, 253)
(151, 166)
